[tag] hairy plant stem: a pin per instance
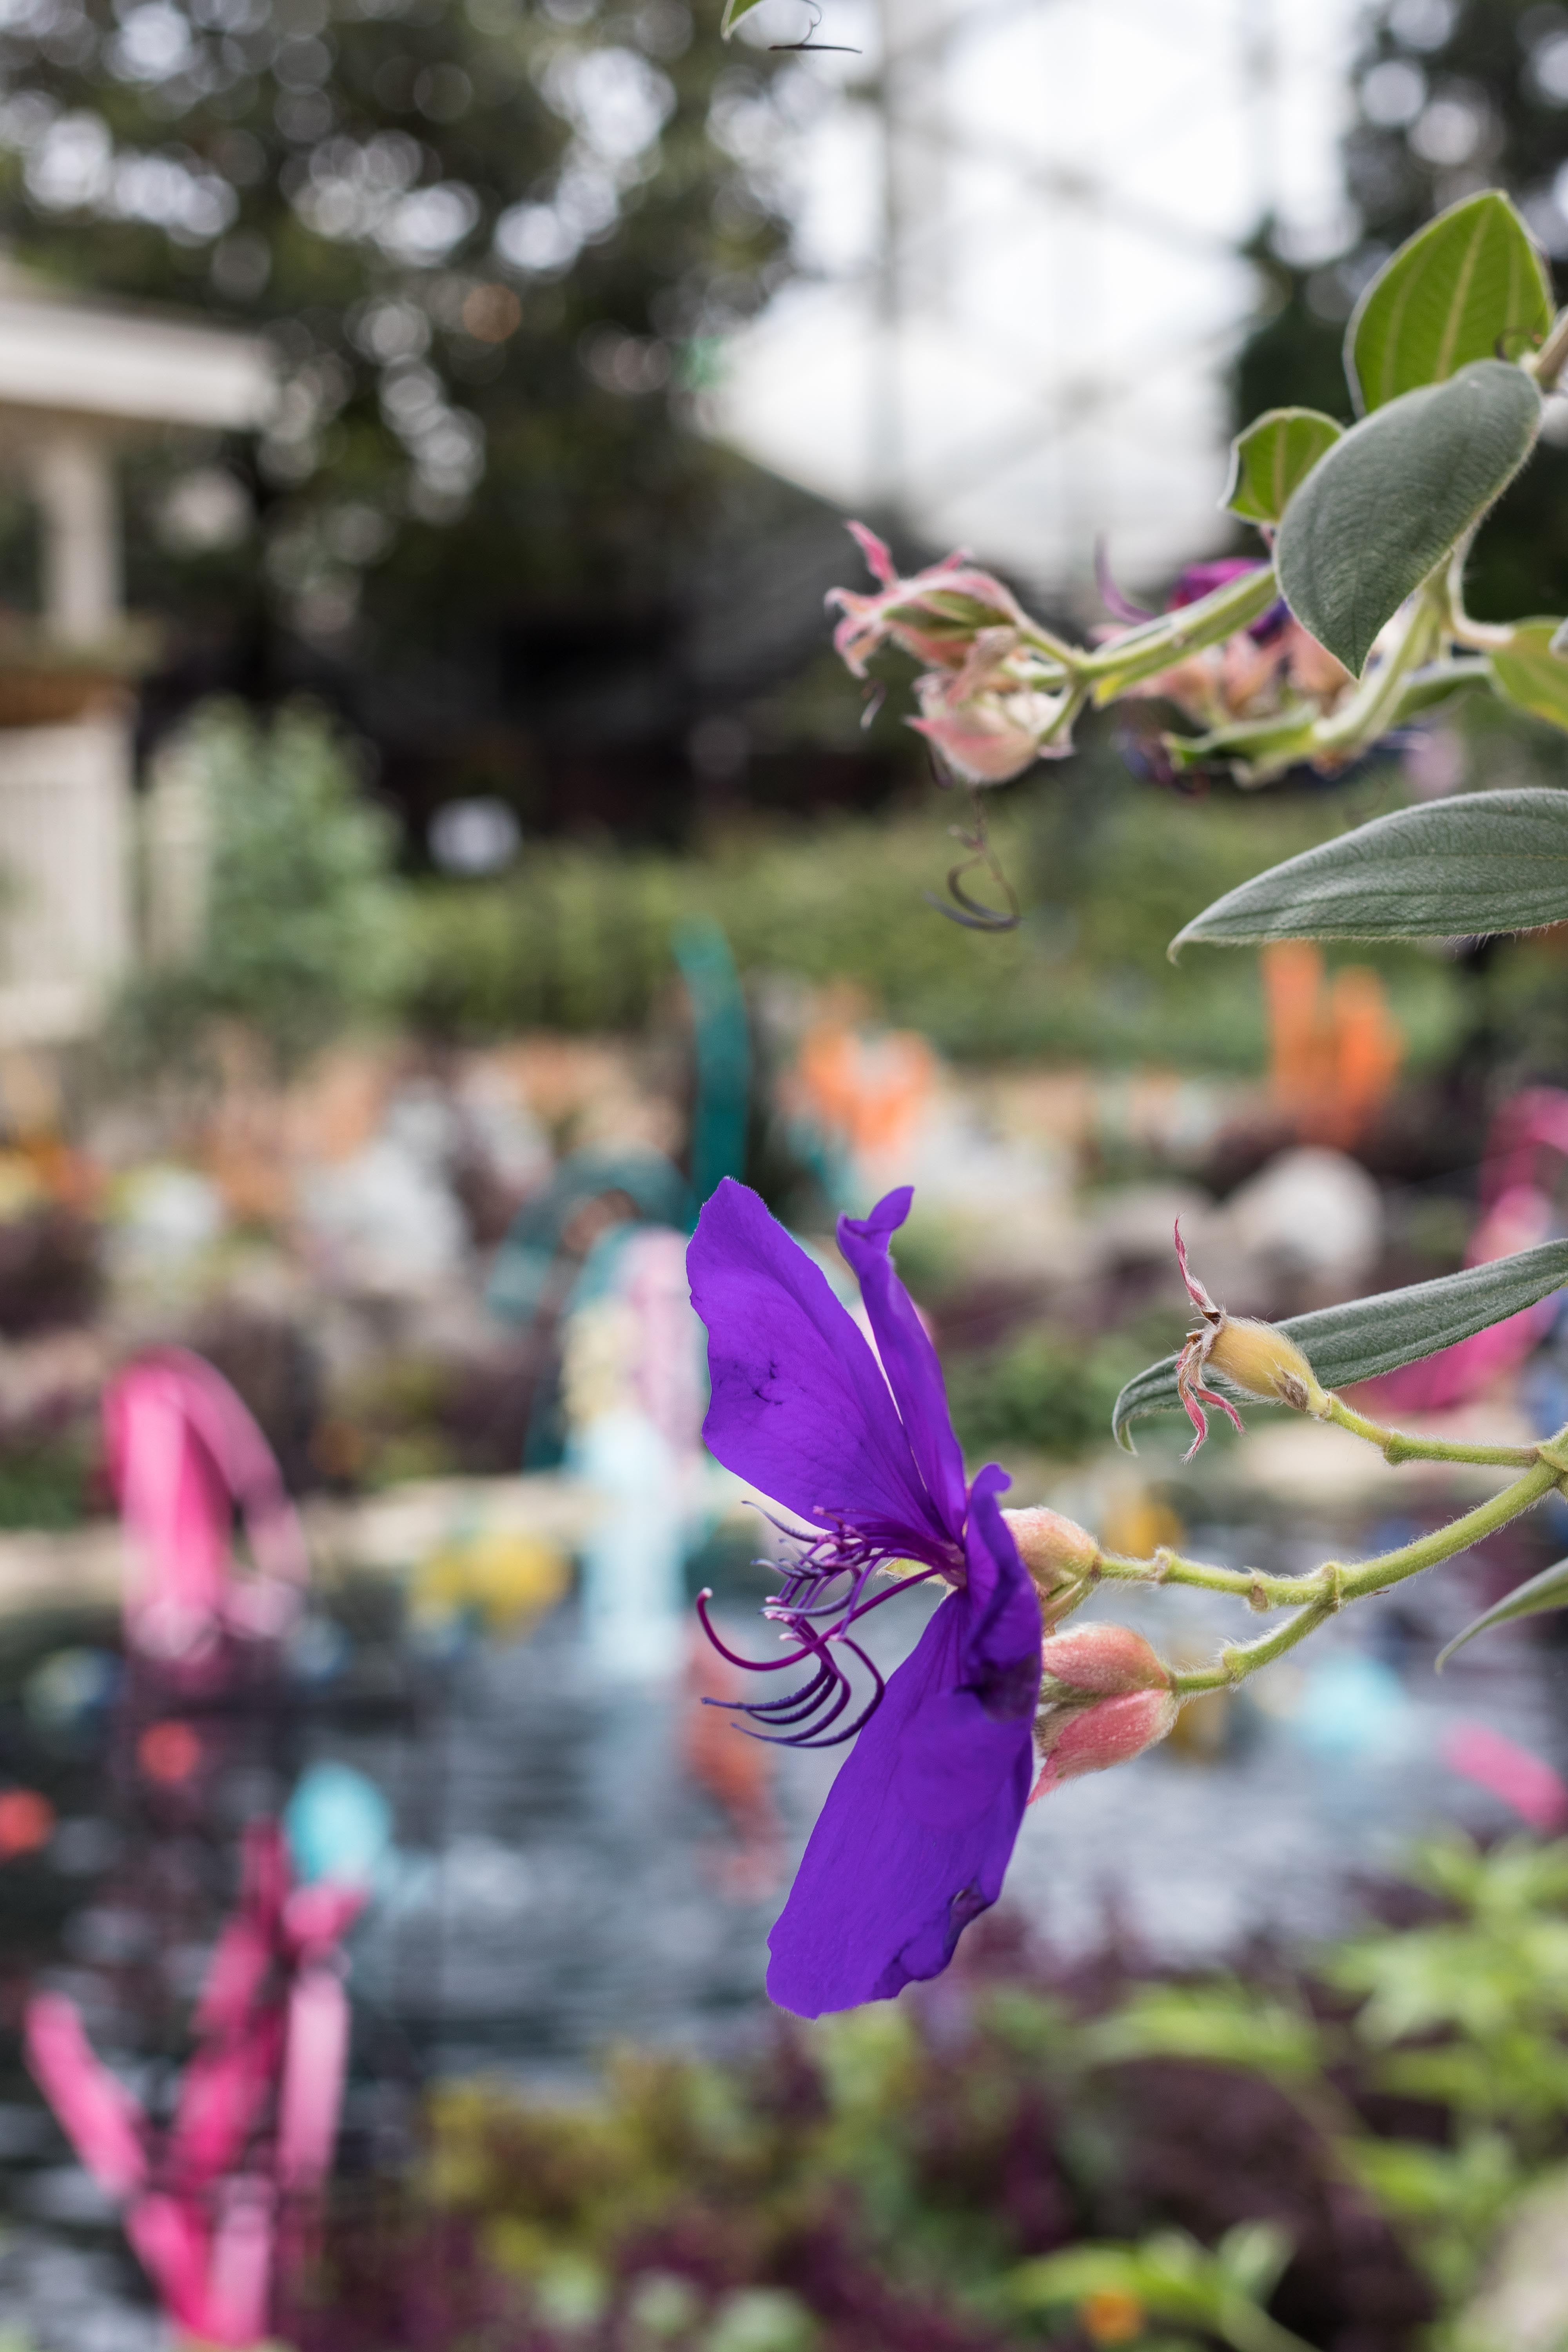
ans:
(1371, 707)
(1553, 357)
(1395, 1447)
(1317, 1596)
(1481, 637)
(1144, 652)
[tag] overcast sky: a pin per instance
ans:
(1070, 178)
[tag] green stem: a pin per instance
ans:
(1240, 1659)
(1371, 707)
(1145, 652)
(1481, 637)
(1330, 1586)
(1395, 1447)
(1393, 1567)
(1248, 1584)
(1553, 357)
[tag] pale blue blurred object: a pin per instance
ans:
(1352, 1708)
(338, 1825)
(71, 1688)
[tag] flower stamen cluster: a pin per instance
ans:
(825, 1593)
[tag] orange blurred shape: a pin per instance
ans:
(1111, 2315)
(27, 1823)
(737, 1772)
(1369, 1046)
(168, 1753)
(1334, 1051)
(1298, 1043)
(869, 1091)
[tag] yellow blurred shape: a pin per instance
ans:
(500, 1575)
(1202, 1728)
(20, 1187)
(1136, 1522)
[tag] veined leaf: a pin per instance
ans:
(1480, 862)
(1547, 1591)
(733, 12)
(1368, 1336)
(1273, 458)
(1532, 672)
(1468, 286)
(1385, 504)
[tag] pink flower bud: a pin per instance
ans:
(1059, 1556)
(1105, 1696)
(1109, 1731)
(1100, 1662)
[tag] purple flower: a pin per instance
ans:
(915, 1837)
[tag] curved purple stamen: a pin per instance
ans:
(1122, 607)
(817, 1703)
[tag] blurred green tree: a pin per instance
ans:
(301, 928)
(1450, 96)
(495, 246)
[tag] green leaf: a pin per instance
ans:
(1254, 2254)
(1273, 458)
(1368, 1336)
(1532, 672)
(1224, 2024)
(1547, 1591)
(1470, 286)
(1387, 502)
(733, 12)
(1480, 862)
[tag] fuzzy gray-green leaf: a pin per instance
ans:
(1547, 1591)
(1385, 504)
(1480, 862)
(1369, 1336)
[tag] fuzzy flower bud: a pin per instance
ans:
(1100, 1662)
(1259, 1360)
(1105, 1696)
(1059, 1556)
(1256, 1358)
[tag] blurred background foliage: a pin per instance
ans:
(579, 937)
(1014, 2161)
(300, 918)
(486, 241)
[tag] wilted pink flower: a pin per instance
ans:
(991, 695)
(935, 614)
(993, 733)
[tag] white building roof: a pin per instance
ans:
(127, 365)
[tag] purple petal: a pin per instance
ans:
(799, 1404)
(907, 1357)
(1003, 1633)
(915, 1837)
